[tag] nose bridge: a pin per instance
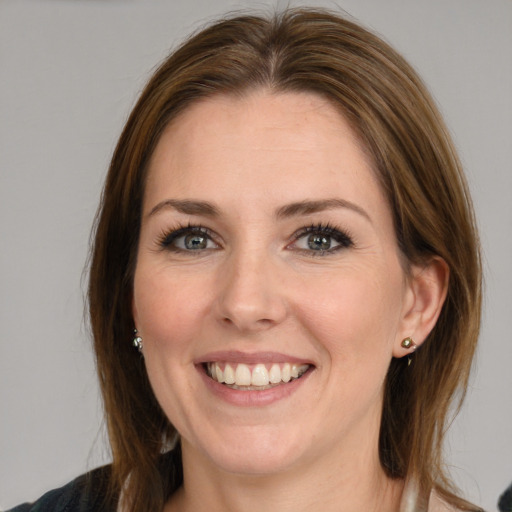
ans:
(250, 295)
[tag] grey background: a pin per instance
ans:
(69, 72)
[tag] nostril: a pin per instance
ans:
(265, 321)
(262, 323)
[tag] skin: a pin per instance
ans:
(258, 287)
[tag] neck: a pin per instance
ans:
(326, 484)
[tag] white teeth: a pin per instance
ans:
(274, 375)
(243, 375)
(229, 374)
(286, 373)
(259, 376)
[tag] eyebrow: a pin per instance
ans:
(309, 207)
(187, 206)
(206, 209)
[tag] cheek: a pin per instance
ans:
(167, 310)
(351, 316)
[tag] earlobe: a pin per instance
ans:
(427, 289)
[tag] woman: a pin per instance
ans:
(287, 239)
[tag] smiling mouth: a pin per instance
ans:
(254, 377)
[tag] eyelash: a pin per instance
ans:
(342, 237)
(167, 239)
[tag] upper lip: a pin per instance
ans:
(250, 357)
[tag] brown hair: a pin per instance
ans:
(414, 159)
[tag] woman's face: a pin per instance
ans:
(267, 251)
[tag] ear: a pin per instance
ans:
(426, 290)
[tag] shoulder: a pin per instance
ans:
(83, 494)
(505, 502)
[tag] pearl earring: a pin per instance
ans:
(409, 344)
(137, 341)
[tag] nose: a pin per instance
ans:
(251, 294)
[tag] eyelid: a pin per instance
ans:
(341, 236)
(169, 235)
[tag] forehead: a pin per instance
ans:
(296, 143)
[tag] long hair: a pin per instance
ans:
(387, 105)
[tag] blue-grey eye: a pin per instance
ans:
(319, 242)
(188, 239)
(195, 241)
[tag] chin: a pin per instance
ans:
(262, 453)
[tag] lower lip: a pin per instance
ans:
(253, 398)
